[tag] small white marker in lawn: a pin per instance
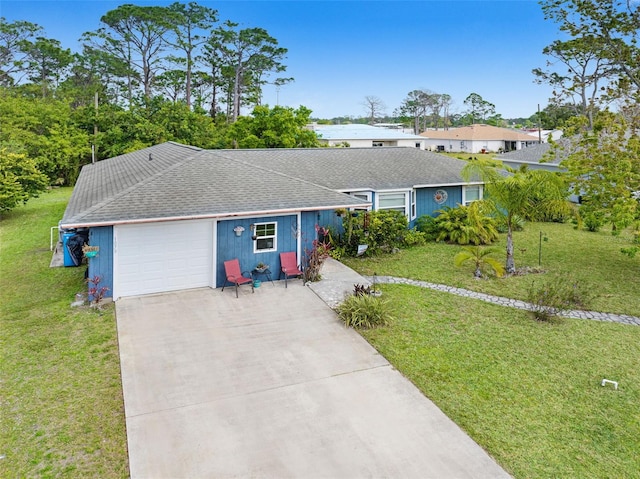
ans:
(609, 381)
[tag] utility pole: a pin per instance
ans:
(539, 126)
(95, 129)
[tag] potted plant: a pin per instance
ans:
(261, 267)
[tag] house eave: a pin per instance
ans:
(406, 188)
(444, 185)
(275, 212)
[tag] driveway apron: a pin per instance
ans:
(271, 384)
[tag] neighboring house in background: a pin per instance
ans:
(477, 138)
(530, 157)
(544, 134)
(357, 136)
(166, 217)
(536, 157)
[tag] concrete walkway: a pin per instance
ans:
(271, 384)
(512, 303)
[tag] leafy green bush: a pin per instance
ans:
(428, 226)
(379, 230)
(466, 225)
(592, 220)
(413, 237)
(337, 252)
(558, 295)
(364, 311)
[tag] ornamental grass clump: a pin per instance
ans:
(556, 296)
(364, 311)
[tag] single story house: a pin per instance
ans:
(531, 157)
(356, 135)
(166, 217)
(478, 138)
(536, 157)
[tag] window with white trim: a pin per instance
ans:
(397, 201)
(413, 204)
(471, 193)
(266, 237)
(364, 195)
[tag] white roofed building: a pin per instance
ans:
(366, 136)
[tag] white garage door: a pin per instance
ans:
(160, 257)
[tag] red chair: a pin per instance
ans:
(235, 276)
(289, 266)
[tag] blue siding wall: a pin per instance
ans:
(102, 264)
(426, 204)
(230, 246)
(309, 221)
(328, 219)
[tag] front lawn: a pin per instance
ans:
(593, 259)
(528, 392)
(62, 407)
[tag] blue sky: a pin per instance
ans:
(342, 51)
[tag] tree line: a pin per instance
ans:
(423, 109)
(151, 74)
(147, 75)
(180, 52)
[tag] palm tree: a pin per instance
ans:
(513, 193)
(481, 258)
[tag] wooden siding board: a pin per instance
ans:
(328, 219)
(426, 204)
(230, 246)
(309, 221)
(102, 264)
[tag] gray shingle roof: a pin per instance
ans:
(103, 181)
(534, 154)
(350, 169)
(185, 182)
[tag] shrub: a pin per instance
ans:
(379, 230)
(361, 290)
(466, 225)
(314, 257)
(428, 226)
(364, 311)
(558, 295)
(337, 252)
(96, 292)
(413, 237)
(592, 221)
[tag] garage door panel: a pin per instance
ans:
(161, 257)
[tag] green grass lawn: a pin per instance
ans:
(592, 259)
(62, 407)
(528, 392)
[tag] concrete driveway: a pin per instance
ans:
(271, 384)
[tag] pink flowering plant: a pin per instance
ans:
(96, 292)
(317, 254)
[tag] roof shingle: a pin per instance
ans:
(171, 181)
